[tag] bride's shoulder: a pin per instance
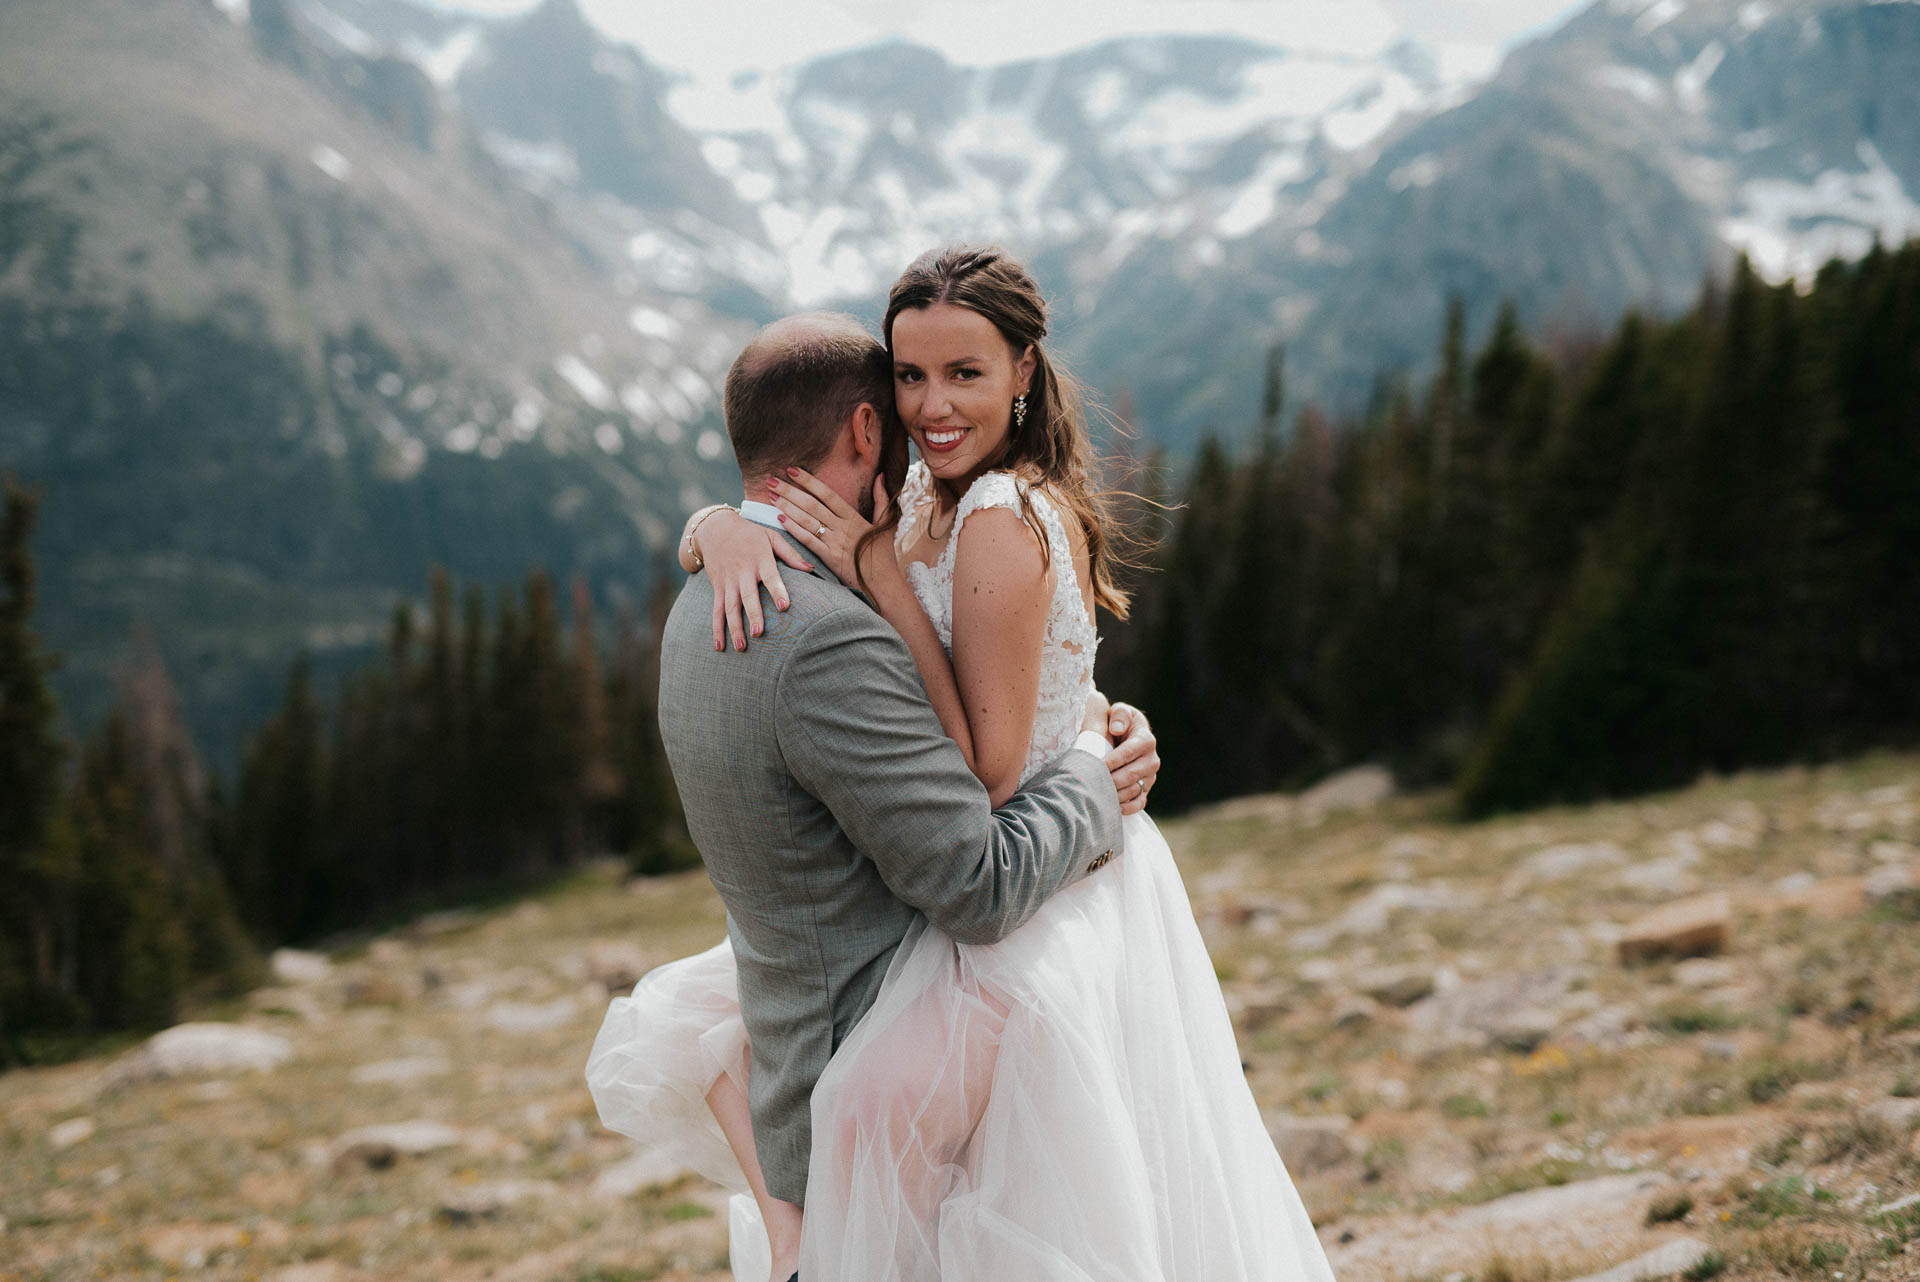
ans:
(993, 489)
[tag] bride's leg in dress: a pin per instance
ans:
(905, 1107)
(728, 1100)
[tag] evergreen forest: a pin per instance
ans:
(1555, 572)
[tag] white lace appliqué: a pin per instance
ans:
(1066, 657)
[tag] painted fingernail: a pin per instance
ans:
(783, 518)
(741, 644)
(772, 484)
(757, 629)
(793, 471)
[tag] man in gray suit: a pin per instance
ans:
(830, 808)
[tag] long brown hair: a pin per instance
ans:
(1053, 446)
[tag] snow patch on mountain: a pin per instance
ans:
(1790, 229)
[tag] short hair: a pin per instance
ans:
(792, 389)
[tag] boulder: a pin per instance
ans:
(489, 1201)
(616, 967)
(1891, 881)
(1692, 927)
(643, 1170)
(1556, 863)
(73, 1131)
(1310, 1144)
(1397, 986)
(292, 966)
(1514, 1012)
(192, 1049)
(1664, 1261)
(381, 1145)
(1358, 788)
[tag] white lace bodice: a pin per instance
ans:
(1066, 659)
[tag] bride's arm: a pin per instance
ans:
(986, 696)
(742, 558)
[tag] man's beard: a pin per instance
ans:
(864, 504)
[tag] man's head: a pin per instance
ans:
(812, 391)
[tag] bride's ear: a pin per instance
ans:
(1023, 372)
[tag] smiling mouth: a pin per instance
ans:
(946, 438)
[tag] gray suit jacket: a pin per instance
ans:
(830, 810)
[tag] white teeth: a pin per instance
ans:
(943, 438)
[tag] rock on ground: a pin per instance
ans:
(189, 1049)
(291, 966)
(1310, 1144)
(1361, 788)
(382, 1144)
(1692, 927)
(1663, 1261)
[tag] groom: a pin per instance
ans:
(830, 808)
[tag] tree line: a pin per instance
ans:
(488, 748)
(1552, 573)
(1558, 573)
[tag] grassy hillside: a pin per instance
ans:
(1465, 1080)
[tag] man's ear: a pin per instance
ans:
(867, 434)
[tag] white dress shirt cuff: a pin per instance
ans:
(1095, 742)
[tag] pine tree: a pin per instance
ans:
(35, 873)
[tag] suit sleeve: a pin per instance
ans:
(857, 732)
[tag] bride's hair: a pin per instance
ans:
(1052, 447)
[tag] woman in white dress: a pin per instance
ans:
(1086, 1063)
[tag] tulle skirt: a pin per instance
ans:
(1067, 1104)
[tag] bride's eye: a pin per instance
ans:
(906, 376)
(966, 375)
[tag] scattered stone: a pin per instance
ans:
(1834, 898)
(1663, 1261)
(1514, 1012)
(398, 1072)
(1683, 928)
(389, 954)
(1254, 1006)
(1556, 863)
(297, 1002)
(1398, 986)
(381, 1145)
(488, 1201)
(530, 1017)
(1318, 970)
(1894, 852)
(377, 989)
(292, 966)
(1895, 1207)
(72, 1131)
(1355, 1012)
(1358, 788)
(1310, 1144)
(1370, 914)
(643, 1170)
(1899, 1114)
(1544, 1205)
(188, 1049)
(190, 1246)
(1889, 881)
(1705, 972)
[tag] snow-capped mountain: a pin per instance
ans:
(1190, 200)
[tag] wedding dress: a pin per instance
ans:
(1063, 1106)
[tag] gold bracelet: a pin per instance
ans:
(699, 562)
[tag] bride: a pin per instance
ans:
(1086, 1063)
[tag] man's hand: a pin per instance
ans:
(1135, 759)
(1098, 714)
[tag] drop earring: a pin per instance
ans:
(1020, 410)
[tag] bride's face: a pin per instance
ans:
(954, 380)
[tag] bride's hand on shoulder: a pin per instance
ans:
(741, 557)
(1135, 759)
(828, 526)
